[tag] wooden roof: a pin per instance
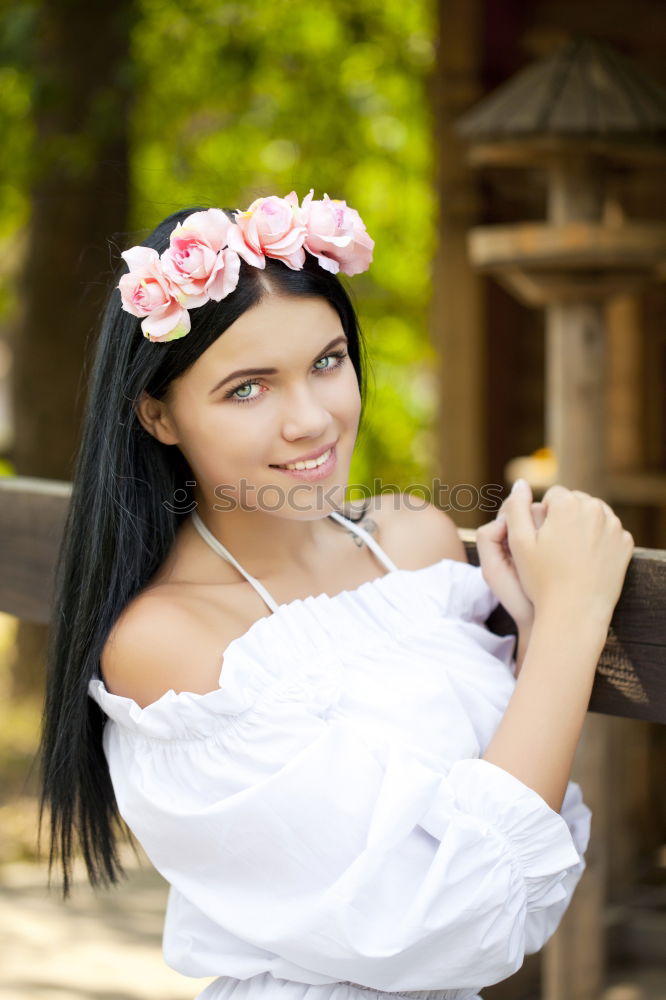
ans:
(586, 89)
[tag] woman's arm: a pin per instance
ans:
(571, 570)
(523, 641)
(537, 737)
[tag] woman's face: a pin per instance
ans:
(235, 427)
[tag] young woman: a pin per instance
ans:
(339, 769)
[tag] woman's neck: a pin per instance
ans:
(265, 543)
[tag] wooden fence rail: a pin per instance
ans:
(631, 674)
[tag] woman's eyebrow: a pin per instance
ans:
(272, 371)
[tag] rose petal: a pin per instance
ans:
(238, 243)
(212, 226)
(224, 280)
(328, 263)
(165, 320)
(140, 258)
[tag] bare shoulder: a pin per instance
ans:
(165, 640)
(413, 532)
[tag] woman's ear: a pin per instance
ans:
(153, 416)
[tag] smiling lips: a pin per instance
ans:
(311, 469)
(311, 461)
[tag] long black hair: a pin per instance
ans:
(118, 532)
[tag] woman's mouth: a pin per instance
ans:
(312, 470)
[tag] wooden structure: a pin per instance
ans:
(578, 115)
(575, 114)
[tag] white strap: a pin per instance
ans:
(367, 538)
(221, 550)
(209, 537)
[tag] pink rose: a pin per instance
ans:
(270, 227)
(147, 291)
(196, 260)
(336, 235)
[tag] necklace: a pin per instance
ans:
(366, 523)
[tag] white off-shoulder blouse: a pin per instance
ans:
(324, 818)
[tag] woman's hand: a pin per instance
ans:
(498, 568)
(576, 560)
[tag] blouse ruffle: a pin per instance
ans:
(298, 647)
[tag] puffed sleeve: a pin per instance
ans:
(350, 859)
(541, 924)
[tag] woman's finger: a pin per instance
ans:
(517, 509)
(538, 514)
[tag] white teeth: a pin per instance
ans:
(313, 463)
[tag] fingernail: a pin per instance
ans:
(501, 518)
(519, 484)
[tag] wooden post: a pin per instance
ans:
(585, 253)
(456, 322)
(631, 832)
(576, 375)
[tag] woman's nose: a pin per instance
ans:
(305, 415)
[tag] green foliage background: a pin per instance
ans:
(241, 99)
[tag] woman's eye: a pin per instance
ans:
(245, 391)
(338, 357)
(241, 394)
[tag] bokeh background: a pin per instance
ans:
(114, 114)
(118, 114)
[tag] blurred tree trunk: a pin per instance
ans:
(79, 199)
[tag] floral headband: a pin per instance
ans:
(203, 258)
